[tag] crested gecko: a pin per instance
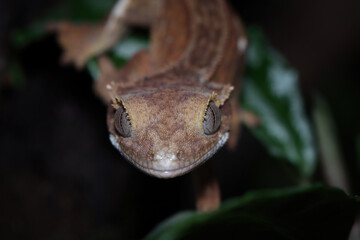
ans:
(173, 106)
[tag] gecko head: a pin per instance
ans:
(167, 132)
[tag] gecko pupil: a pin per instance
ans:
(212, 119)
(122, 122)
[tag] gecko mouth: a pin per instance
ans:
(177, 171)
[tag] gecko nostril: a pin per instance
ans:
(180, 154)
(165, 160)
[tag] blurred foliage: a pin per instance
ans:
(331, 158)
(271, 90)
(315, 212)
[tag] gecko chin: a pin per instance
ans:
(165, 164)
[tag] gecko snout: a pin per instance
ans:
(165, 160)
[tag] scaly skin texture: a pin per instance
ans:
(167, 136)
(195, 57)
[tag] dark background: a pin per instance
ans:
(60, 178)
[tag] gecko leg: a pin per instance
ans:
(83, 41)
(249, 118)
(206, 186)
(240, 116)
(111, 78)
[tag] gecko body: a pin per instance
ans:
(171, 107)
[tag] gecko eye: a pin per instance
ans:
(212, 119)
(122, 122)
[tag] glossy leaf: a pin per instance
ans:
(315, 212)
(271, 91)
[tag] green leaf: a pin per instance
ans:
(130, 45)
(271, 91)
(316, 212)
(331, 158)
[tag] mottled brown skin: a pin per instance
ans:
(195, 57)
(167, 129)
